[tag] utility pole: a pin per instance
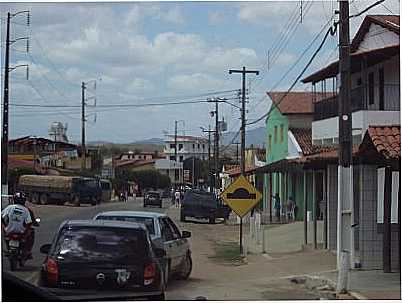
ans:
(243, 133)
(175, 140)
(83, 156)
(237, 151)
(345, 247)
(216, 145)
(209, 131)
(5, 126)
(4, 154)
(243, 115)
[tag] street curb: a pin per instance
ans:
(358, 296)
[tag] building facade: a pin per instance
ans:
(187, 147)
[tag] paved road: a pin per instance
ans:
(51, 218)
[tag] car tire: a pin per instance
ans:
(212, 220)
(43, 199)
(35, 198)
(160, 297)
(76, 200)
(187, 268)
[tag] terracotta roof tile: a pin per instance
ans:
(294, 102)
(386, 140)
(303, 137)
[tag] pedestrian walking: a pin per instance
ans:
(277, 207)
(177, 197)
(291, 209)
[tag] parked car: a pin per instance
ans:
(104, 255)
(153, 198)
(164, 234)
(202, 205)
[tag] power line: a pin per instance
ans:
(331, 31)
(367, 9)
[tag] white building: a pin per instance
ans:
(170, 168)
(187, 147)
(375, 89)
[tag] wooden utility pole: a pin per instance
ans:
(243, 115)
(243, 133)
(209, 131)
(83, 155)
(345, 245)
(216, 144)
(4, 154)
(175, 140)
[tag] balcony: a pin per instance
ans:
(361, 99)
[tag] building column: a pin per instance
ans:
(314, 212)
(270, 197)
(305, 205)
(386, 245)
(325, 214)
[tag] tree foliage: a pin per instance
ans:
(144, 179)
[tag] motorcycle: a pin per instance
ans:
(15, 244)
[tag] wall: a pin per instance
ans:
(328, 128)
(300, 121)
(378, 36)
(370, 238)
(279, 150)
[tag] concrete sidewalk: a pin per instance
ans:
(284, 239)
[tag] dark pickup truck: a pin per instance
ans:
(203, 205)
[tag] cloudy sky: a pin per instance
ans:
(154, 52)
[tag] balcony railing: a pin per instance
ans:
(328, 107)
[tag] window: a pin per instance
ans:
(172, 158)
(167, 232)
(371, 88)
(380, 196)
(198, 146)
(359, 81)
(148, 222)
(180, 146)
(172, 145)
(381, 88)
(281, 133)
(181, 158)
(275, 134)
(193, 146)
(203, 146)
(269, 142)
(176, 231)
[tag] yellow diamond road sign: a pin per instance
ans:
(241, 196)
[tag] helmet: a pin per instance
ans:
(19, 198)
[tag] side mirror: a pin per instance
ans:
(160, 253)
(44, 249)
(186, 234)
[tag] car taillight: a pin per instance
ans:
(149, 273)
(52, 269)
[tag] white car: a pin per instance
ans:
(164, 234)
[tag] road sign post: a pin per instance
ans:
(241, 196)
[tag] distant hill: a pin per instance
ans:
(254, 136)
(156, 141)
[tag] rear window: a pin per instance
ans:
(153, 195)
(100, 243)
(148, 222)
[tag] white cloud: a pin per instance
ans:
(194, 82)
(216, 18)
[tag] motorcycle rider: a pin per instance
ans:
(16, 219)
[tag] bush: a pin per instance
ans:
(144, 179)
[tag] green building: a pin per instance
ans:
(288, 137)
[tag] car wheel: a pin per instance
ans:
(35, 198)
(43, 199)
(187, 268)
(160, 297)
(76, 200)
(212, 220)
